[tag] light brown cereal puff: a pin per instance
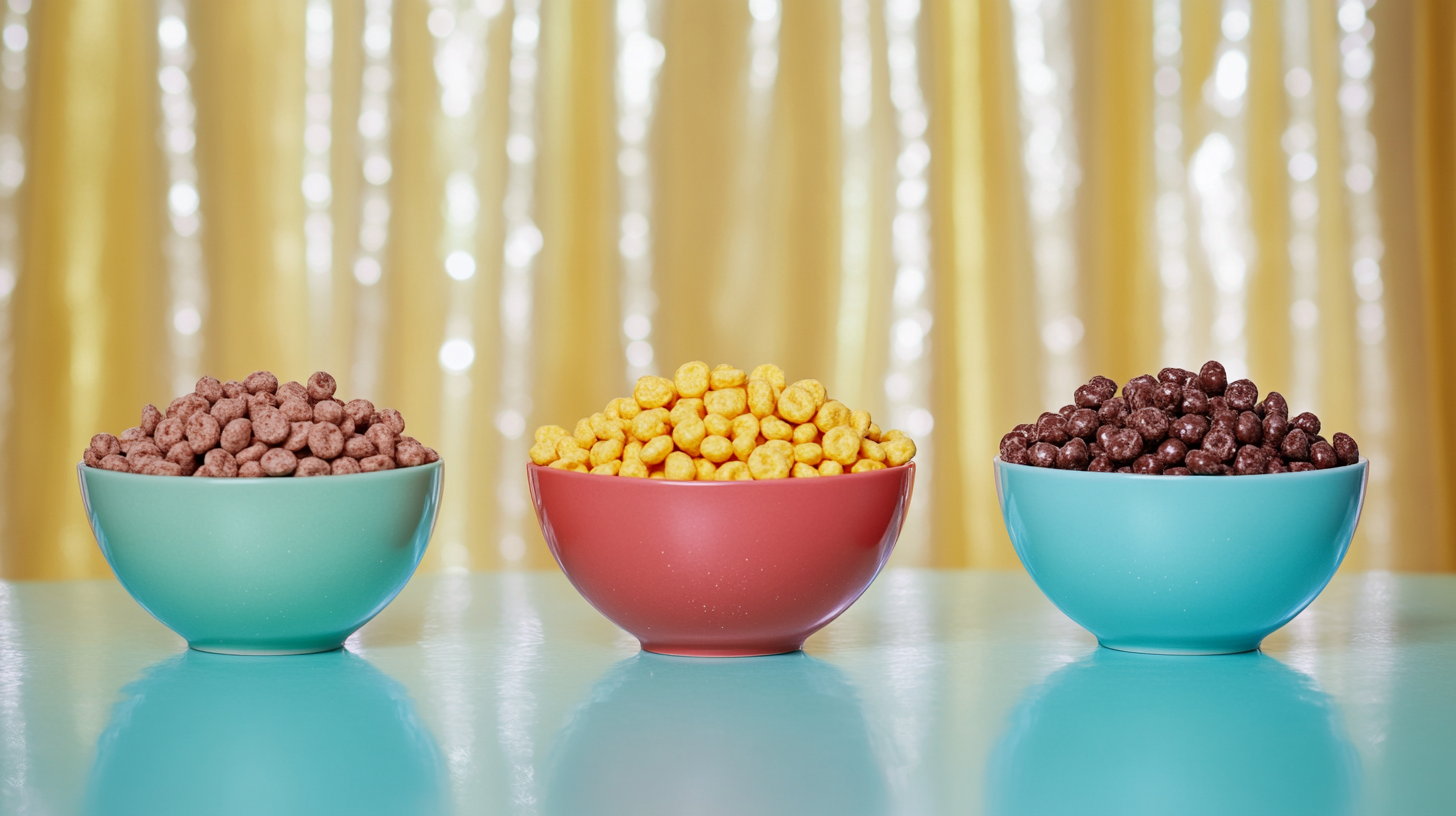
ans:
(321, 386)
(150, 417)
(261, 382)
(279, 462)
(209, 389)
(221, 463)
(313, 466)
(292, 390)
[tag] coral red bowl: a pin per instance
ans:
(721, 569)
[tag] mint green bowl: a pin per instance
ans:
(1180, 565)
(263, 566)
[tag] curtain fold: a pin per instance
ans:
(945, 210)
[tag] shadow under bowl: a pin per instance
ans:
(263, 566)
(721, 569)
(1180, 565)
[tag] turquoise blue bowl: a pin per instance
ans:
(1180, 565)
(263, 566)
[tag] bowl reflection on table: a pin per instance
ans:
(319, 734)
(1129, 734)
(1180, 565)
(673, 735)
(721, 568)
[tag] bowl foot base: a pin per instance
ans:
(228, 650)
(1155, 649)
(725, 651)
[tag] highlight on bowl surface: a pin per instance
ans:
(1177, 424)
(256, 427)
(723, 425)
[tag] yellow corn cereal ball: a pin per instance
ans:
(611, 412)
(890, 436)
(796, 405)
(729, 402)
(653, 392)
(802, 470)
(808, 453)
(718, 425)
(584, 435)
(829, 467)
(679, 467)
(866, 464)
(821, 395)
(691, 379)
(562, 464)
(656, 474)
(808, 432)
(632, 450)
(633, 469)
(606, 428)
(607, 468)
(873, 434)
(649, 425)
(842, 445)
(716, 449)
(781, 446)
(574, 456)
(706, 469)
(831, 415)
(744, 446)
(606, 451)
(899, 450)
(770, 372)
(860, 421)
(657, 450)
(689, 435)
(686, 407)
(544, 453)
(774, 428)
(733, 472)
(768, 463)
(726, 376)
(547, 432)
(626, 408)
(565, 444)
(762, 399)
(745, 425)
(869, 449)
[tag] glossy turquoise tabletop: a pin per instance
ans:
(938, 693)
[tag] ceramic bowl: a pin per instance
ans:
(721, 568)
(1180, 565)
(263, 566)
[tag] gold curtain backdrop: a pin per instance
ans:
(493, 214)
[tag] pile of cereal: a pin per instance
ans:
(723, 425)
(260, 428)
(1179, 424)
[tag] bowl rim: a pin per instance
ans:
(1074, 474)
(532, 467)
(82, 468)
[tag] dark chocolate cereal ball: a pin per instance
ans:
(1073, 455)
(1042, 454)
(1148, 464)
(1203, 463)
(1276, 427)
(1052, 428)
(1248, 429)
(1295, 447)
(1171, 452)
(1251, 459)
(1274, 404)
(1113, 411)
(1323, 456)
(1241, 395)
(1346, 449)
(1150, 423)
(1307, 422)
(1100, 464)
(1139, 393)
(1124, 445)
(1168, 396)
(1212, 378)
(1083, 423)
(1190, 428)
(1221, 443)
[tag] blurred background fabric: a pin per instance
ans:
(495, 214)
